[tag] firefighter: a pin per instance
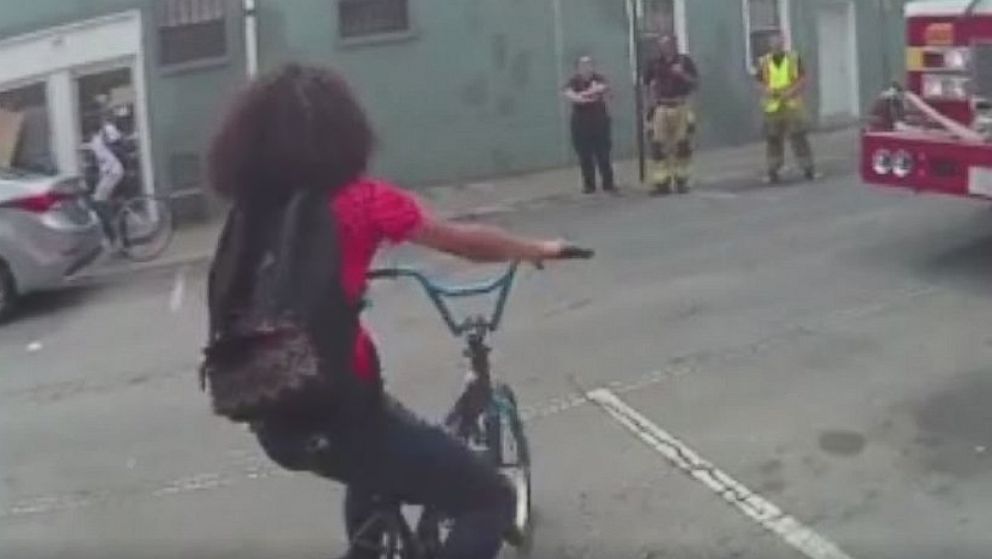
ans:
(671, 79)
(783, 79)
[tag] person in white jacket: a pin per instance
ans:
(110, 166)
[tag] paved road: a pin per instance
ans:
(825, 345)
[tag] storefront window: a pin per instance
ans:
(29, 134)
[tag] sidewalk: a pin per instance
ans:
(836, 151)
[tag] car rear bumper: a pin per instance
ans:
(54, 251)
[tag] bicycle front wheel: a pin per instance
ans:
(145, 227)
(509, 449)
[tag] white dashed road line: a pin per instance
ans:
(752, 505)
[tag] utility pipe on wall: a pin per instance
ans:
(251, 38)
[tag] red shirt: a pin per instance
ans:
(369, 213)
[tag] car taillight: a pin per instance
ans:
(39, 203)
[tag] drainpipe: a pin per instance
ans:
(635, 14)
(251, 38)
(559, 39)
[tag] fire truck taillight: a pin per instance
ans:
(947, 87)
(881, 162)
(903, 164)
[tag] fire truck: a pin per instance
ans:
(934, 133)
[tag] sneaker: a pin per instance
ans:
(810, 174)
(773, 177)
(587, 190)
(682, 185)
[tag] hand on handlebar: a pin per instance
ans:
(559, 250)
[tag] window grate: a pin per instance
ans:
(191, 30)
(659, 17)
(362, 18)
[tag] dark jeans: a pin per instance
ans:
(105, 212)
(396, 455)
(591, 139)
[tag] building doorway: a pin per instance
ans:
(107, 96)
(838, 80)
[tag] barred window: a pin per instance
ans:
(191, 30)
(362, 18)
(658, 20)
(659, 17)
(764, 20)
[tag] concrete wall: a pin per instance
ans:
(182, 103)
(727, 101)
(473, 91)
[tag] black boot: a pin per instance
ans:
(662, 188)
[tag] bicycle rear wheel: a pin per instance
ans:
(509, 449)
(144, 227)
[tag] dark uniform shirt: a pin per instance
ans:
(578, 84)
(665, 83)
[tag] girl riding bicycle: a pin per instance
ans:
(301, 127)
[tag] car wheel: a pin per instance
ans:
(8, 291)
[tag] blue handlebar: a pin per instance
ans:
(438, 293)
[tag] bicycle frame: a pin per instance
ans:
(478, 395)
(438, 293)
(484, 416)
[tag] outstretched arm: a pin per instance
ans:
(483, 243)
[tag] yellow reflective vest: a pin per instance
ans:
(778, 78)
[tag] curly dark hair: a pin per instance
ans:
(299, 127)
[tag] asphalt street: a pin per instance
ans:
(826, 346)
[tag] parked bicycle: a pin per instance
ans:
(485, 417)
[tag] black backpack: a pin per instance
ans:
(282, 332)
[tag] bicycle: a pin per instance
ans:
(138, 226)
(485, 417)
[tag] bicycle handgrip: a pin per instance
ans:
(576, 253)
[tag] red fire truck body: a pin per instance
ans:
(949, 67)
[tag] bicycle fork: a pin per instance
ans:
(463, 420)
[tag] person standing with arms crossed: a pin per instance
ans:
(587, 91)
(783, 80)
(671, 79)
